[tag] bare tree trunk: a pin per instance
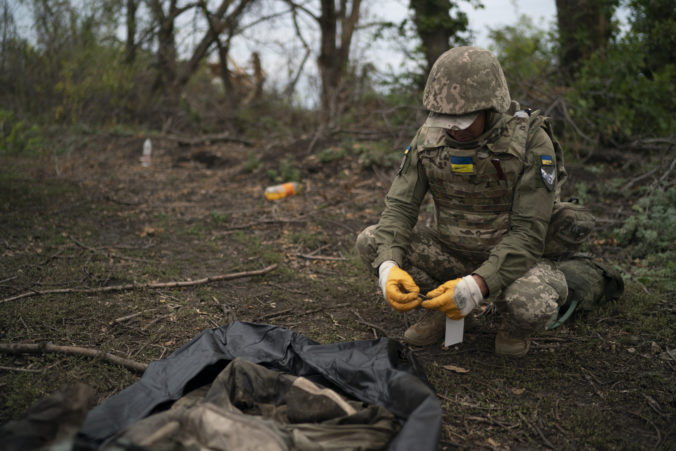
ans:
(584, 28)
(219, 21)
(333, 58)
(258, 78)
(130, 44)
(166, 45)
(434, 35)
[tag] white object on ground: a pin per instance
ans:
(454, 331)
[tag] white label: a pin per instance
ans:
(454, 331)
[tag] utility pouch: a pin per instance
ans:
(569, 227)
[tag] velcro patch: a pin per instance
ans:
(403, 160)
(462, 165)
(548, 171)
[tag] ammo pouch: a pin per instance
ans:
(569, 227)
(590, 283)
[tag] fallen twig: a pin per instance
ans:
(8, 279)
(207, 139)
(638, 179)
(155, 320)
(266, 221)
(108, 253)
(131, 286)
(371, 325)
(37, 348)
(536, 430)
(130, 316)
(657, 430)
(24, 370)
(275, 314)
(318, 257)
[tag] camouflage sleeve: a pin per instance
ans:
(523, 244)
(402, 204)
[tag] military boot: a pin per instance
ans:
(510, 346)
(429, 330)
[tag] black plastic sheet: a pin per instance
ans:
(381, 371)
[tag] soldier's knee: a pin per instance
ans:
(536, 296)
(366, 244)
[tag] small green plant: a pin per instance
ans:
(220, 217)
(652, 229)
(377, 153)
(581, 191)
(17, 136)
(308, 239)
(330, 154)
(252, 163)
(288, 172)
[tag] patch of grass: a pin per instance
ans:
(252, 162)
(288, 171)
(652, 228)
(255, 247)
(197, 230)
(310, 240)
(330, 154)
(376, 153)
(220, 217)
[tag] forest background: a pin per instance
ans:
(84, 83)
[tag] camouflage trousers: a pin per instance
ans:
(526, 305)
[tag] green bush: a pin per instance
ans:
(627, 90)
(652, 229)
(288, 171)
(526, 56)
(378, 153)
(17, 136)
(616, 98)
(330, 154)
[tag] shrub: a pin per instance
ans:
(652, 229)
(17, 136)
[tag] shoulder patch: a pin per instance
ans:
(548, 171)
(403, 160)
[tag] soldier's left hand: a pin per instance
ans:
(456, 298)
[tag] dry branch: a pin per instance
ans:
(266, 221)
(207, 139)
(131, 286)
(371, 325)
(318, 257)
(38, 348)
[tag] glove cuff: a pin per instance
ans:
(384, 273)
(473, 296)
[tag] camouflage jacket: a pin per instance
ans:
(493, 196)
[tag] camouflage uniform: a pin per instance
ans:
(496, 200)
(492, 208)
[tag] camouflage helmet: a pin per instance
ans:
(464, 80)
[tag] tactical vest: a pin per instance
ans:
(473, 187)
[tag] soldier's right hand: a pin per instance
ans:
(399, 289)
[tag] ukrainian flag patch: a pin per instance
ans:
(403, 160)
(462, 165)
(548, 171)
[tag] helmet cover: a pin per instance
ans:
(465, 80)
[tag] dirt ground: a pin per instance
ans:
(93, 217)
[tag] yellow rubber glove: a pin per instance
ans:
(456, 298)
(399, 289)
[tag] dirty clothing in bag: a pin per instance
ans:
(249, 407)
(370, 375)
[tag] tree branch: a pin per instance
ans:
(38, 348)
(185, 283)
(295, 5)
